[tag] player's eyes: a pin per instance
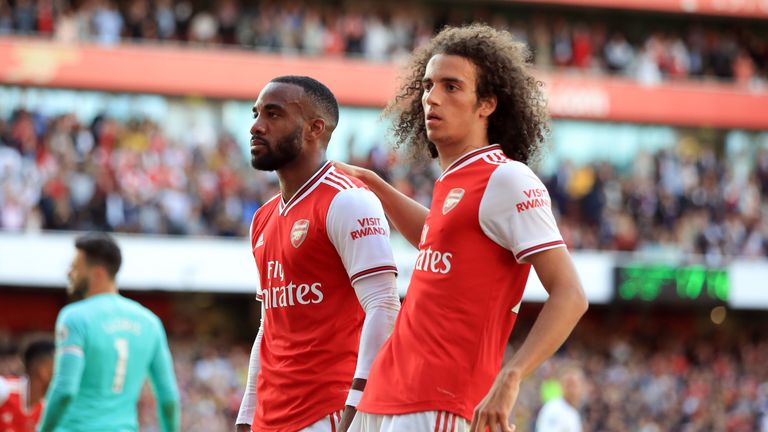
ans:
(269, 114)
(426, 86)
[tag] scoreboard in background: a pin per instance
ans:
(671, 284)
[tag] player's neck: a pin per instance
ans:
(449, 153)
(570, 401)
(35, 392)
(98, 289)
(294, 175)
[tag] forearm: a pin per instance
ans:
(557, 318)
(68, 371)
(377, 327)
(169, 413)
(167, 396)
(55, 407)
(163, 379)
(350, 408)
(407, 215)
(248, 404)
(378, 297)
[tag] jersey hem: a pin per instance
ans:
(295, 425)
(426, 406)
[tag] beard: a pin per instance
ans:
(280, 154)
(78, 288)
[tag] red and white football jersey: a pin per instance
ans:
(488, 214)
(308, 252)
(14, 415)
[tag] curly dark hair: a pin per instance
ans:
(520, 121)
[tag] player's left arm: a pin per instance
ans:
(358, 229)
(378, 297)
(68, 369)
(163, 380)
(520, 219)
(250, 395)
(566, 304)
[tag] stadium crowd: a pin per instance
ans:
(687, 198)
(639, 46)
(640, 379)
(59, 174)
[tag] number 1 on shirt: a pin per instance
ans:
(121, 345)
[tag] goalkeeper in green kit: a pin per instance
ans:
(106, 346)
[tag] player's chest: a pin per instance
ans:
(293, 240)
(454, 209)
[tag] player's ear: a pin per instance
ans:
(486, 106)
(317, 128)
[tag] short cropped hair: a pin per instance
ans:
(102, 250)
(320, 95)
(37, 351)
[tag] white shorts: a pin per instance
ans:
(428, 421)
(328, 423)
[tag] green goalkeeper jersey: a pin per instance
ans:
(106, 347)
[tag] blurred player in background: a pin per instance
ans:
(561, 414)
(21, 398)
(106, 345)
(470, 101)
(326, 270)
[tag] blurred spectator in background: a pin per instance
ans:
(107, 22)
(59, 174)
(24, 17)
(618, 53)
(21, 397)
(561, 414)
(6, 18)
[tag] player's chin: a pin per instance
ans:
(257, 150)
(264, 163)
(437, 136)
(433, 134)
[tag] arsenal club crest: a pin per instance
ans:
(453, 198)
(299, 232)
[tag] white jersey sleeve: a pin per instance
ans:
(378, 298)
(259, 296)
(251, 245)
(516, 212)
(5, 390)
(250, 398)
(359, 230)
